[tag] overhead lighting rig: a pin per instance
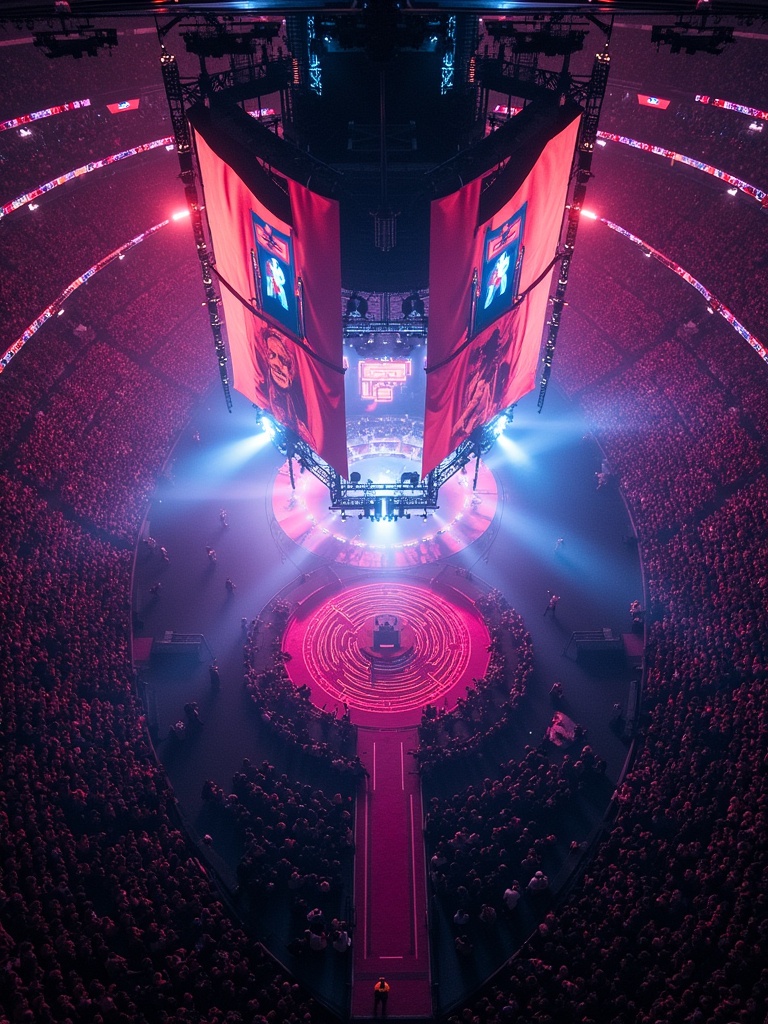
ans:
(552, 39)
(75, 43)
(371, 500)
(403, 313)
(218, 41)
(690, 38)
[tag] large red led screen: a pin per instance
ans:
(498, 251)
(280, 267)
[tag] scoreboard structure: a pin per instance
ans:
(273, 226)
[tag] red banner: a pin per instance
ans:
(470, 383)
(280, 296)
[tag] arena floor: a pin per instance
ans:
(536, 486)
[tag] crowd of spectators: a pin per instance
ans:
(38, 152)
(73, 448)
(33, 81)
(673, 209)
(722, 138)
(669, 920)
(285, 706)
(491, 701)
(496, 836)
(296, 839)
(119, 203)
(114, 408)
(737, 74)
(370, 429)
(107, 913)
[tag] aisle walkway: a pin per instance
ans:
(390, 884)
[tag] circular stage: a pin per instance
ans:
(386, 649)
(463, 517)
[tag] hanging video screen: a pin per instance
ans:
(490, 250)
(503, 251)
(274, 275)
(270, 246)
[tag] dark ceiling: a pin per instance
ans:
(33, 9)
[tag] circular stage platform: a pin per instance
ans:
(463, 517)
(435, 644)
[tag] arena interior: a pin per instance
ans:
(275, 753)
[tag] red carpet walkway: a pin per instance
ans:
(390, 883)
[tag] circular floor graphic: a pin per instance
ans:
(386, 649)
(464, 514)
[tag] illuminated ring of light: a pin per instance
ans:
(463, 517)
(327, 649)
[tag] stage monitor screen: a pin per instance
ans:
(652, 101)
(492, 252)
(380, 380)
(278, 261)
(122, 105)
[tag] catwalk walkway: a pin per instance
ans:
(390, 885)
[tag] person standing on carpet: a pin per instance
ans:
(380, 997)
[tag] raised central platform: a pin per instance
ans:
(463, 517)
(443, 647)
(387, 640)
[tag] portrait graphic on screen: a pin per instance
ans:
(488, 371)
(278, 380)
(273, 268)
(502, 265)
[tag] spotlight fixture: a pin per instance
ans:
(357, 306)
(501, 423)
(268, 426)
(413, 306)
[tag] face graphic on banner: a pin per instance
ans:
(281, 386)
(282, 368)
(479, 389)
(488, 373)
